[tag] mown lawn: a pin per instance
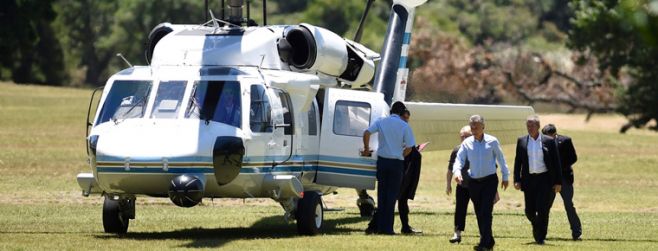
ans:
(42, 149)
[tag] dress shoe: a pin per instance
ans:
(576, 237)
(456, 238)
(540, 242)
(410, 230)
(371, 230)
(481, 248)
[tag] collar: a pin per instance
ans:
(535, 140)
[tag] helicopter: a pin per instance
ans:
(229, 109)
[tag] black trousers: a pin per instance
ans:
(461, 207)
(483, 193)
(389, 180)
(539, 195)
(567, 198)
(403, 210)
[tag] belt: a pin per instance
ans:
(484, 178)
(538, 174)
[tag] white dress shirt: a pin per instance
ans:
(482, 157)
(536, 163)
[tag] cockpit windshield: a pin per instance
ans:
(168, 99)
(217, 101)
(127, 99)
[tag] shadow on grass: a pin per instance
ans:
(269, 227)
(569, 239)
(603, 240)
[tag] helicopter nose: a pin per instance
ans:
(227, 158)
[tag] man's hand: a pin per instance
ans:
(557, 188)
(458, 179)
(366, 152)
(448, 189)
(517, 185)
(504, 184)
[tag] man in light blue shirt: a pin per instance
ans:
(395, 142)
(482, 151)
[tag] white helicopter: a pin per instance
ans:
(227, 110)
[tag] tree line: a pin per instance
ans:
(585, 55)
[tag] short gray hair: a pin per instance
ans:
(533, 118)
(476, 119)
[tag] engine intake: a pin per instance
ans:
(309, 48)
(154, 37)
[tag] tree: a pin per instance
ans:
(30, 51)
(448, 70)
(95, 31)
(623, 36)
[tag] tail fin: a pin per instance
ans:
(391, 75)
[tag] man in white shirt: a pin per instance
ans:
(538, 174)
(482, 152)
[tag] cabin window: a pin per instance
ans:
(217, 101)
(168, 99)
(286, 106)
(126, 99)
(260, 112)
(351, 118)
(312, 120)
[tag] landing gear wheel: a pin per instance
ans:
(366, 207)
(117, 215)
(310, 214)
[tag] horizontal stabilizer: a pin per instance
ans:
(440, 123)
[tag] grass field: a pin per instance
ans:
(42, 149)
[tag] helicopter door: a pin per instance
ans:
(347, 114)
(283, 125)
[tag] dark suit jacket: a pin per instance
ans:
(551, 160)
(567, 156)
(451, 162)
(411, 174)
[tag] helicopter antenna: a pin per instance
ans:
(248, 11)
(124, 59)
(222, 14)
(215, 24)
(264, 12)
(206, 7)
(359, 31)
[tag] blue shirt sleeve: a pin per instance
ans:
(501, 161)
(374, 127)
(409, 140)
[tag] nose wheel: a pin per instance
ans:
(310, 214)
(117, 214)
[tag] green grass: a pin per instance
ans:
(42, 149)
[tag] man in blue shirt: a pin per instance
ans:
(481, 151)
(395, 142)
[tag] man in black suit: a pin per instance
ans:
(538, 174)
(567, 157)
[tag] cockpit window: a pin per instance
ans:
(127, 99)
(217, 101)
(168, 99)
